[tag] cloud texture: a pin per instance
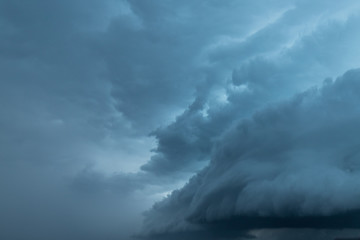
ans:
(108, 106)
(294, 164)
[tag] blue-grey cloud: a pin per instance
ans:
(83, 83)
(292, 165)
(239, 83)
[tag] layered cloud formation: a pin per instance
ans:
(108, 106)
(294, 164)
(285, 56)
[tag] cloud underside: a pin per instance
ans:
(291, 165)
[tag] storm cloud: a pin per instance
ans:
(106, 107)
(291, 165)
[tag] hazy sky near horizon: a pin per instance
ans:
(248, 109)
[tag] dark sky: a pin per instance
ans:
(169, 119)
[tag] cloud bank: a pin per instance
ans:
(84, 82)
(293, 164)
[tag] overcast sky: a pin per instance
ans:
(169, 119)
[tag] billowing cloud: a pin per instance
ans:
(83, 83)
(294, 164)
(246, 74)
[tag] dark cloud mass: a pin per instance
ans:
(107, 107)
(294, 164)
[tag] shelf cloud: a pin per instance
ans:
(207, 119)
